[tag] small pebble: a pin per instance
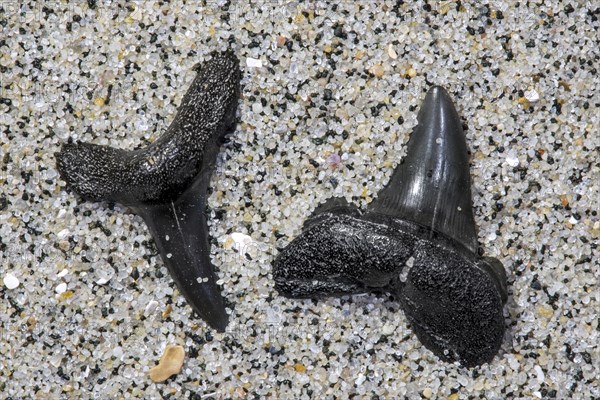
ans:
(11, 281)
(299, 368)
(388, 329)
(150, 307)
(170, 364)
(513, 161)
(377, 70)
(539, 373)
(536, 285)
(334, 160)
(545, 311)
(61, 288)
(167, 311)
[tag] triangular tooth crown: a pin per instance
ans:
(432, 185)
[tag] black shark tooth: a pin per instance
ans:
(166, 182)
(417, 240)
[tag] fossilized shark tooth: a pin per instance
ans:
(417, 240)
(166, 182)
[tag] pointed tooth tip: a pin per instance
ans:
(438, 103)
(218, 321)
(208, 303)
(439, 120)
(437, 91)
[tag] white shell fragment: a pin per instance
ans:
(391, 52)
(241, 240)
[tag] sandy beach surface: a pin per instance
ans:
(330, 95)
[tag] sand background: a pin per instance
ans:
(326, 111)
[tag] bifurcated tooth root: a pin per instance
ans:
(417, 240)
(166, 182)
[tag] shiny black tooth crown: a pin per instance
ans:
(417, 241)
(432, 185)
(166, 182)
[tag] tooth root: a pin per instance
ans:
(180, 231)
(333, 205)
(498, 274)
(165, 168)
(432, 185)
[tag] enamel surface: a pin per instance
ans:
(432, 185)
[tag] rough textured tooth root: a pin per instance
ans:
(498, 275)
(165, 168)
(432, 185)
